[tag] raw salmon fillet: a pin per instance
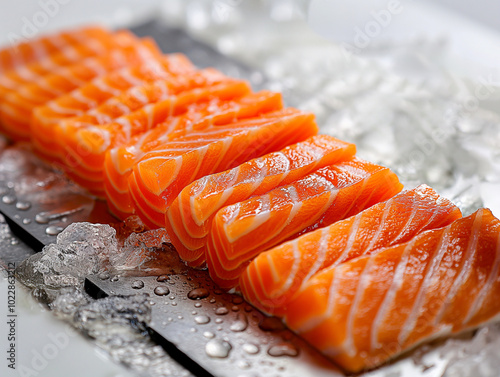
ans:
(93, 42)
(120, 160)
(17, 56)
(274, 277)
(189, 217)
(372, 308)
(86, 144)
(243, 230)
(162, 173)
(87, 97)
(17, 107)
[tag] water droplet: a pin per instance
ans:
(173, 303)
(212, 301)
(218, 320)
(26, 221)
(197, 305)
(114, 278)
(170, 319)
(180, 317)
(194, 312)
(103, 275)
(218, 292)
(251, 348)
(40, 218)
(23, 206)
(235, 308)
(283, 349)
(152, 303)
(242, 364)
(172, 297)
(209, 335)
(162, 278)
(237, 300)
(202, 319)
(248, 308)
(161, 291)
(221, 311)
(271, 324)
(137, 284)
(218, 348)
(192, 329)
(240, 324)
(53, 230)
(198, 293)
(8, 199)
(14, 241)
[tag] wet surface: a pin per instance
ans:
(218, 331)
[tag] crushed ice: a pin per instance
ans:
(396, 100)
(116, 323)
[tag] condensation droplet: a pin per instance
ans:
(8, 199)
(212, 301)
(161, 291)
(114, 278)
(53, 230)
(283, 349)
(202, 319)
(237, 300)
(240, 324)
(251, 348)
(271, 324)
(42, 218)
(26, 221)
(162, 278)
(14, 241)
(198, 293)
(221, 311)
(209, 335)
(23, 206)
(218, 320)
(137, 284)
(197, 305)
(242, 364)
(173, 303)
(192, 329)
(218, 348)
(235, 308)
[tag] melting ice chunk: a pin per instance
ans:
(82, 249)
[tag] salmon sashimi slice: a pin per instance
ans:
(274, 277)
(17, 107)
(372, 308)
(21, 54)
(87, 97)
(189, 217)
(120, 160)
(162, 173)
(95, 45)
(243, 230)
(86, 147)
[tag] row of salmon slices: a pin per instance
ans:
(303, 228)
